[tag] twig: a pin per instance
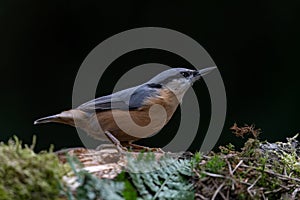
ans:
(276, 174)
(220, 192)
(295, 193)
(227, 195)
(195, 171)
(264, 196)
(217, 191)
(251, 186)
(245, 183)
(273, 191)
(213, 175)
(201, 196)
(237, 166)
(284, 171)
(282, 176)
(229, 168)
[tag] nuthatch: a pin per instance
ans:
(165, 89)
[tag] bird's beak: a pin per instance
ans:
(205, 71)
(198, 74)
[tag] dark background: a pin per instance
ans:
(255, 45)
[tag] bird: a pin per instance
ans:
(98, 116)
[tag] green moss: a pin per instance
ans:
(196, 159)
(27, 175)
(215, 164)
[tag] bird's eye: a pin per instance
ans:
(185, 74)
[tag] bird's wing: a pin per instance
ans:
(131, 98)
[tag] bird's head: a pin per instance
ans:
(179, 80)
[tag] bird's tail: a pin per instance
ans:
(65, 117)
(52, 118)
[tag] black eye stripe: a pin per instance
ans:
(185, 74)
(154, 85)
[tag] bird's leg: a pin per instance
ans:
(136, 146)
(121, 148)
(115, 141)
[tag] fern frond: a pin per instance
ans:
(165, 178)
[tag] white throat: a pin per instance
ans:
(179, 87)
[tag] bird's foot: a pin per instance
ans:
(143, 148)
